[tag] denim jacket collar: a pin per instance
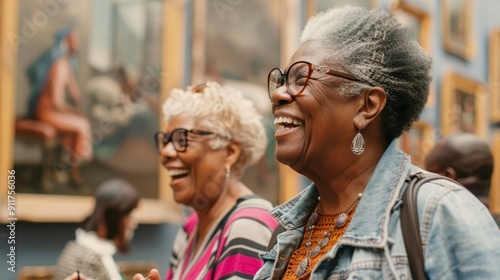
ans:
(371, 228)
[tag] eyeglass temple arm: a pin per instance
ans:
(343, 75)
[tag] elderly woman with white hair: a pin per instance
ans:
(212, 135)
(356, 83)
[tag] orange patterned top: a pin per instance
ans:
(324, 223)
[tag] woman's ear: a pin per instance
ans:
(233, 153)
(373, 102)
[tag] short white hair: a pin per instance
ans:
(224, 111)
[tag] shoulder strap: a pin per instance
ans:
(410, 226)
(274, 237)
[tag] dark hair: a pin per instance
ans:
(114, 199)
(466, 153)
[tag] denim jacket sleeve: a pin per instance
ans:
(460, 237)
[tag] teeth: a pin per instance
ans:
(177, 172)
(281, 127)
(286, 120)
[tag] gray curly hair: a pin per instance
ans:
(224, 111)
(376, 49)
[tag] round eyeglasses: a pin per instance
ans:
(298, 76)
(178, 137)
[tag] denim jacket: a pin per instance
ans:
(459, 236)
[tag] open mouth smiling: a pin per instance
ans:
(283, 123)
(178, 173)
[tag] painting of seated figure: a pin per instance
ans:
(87, 98)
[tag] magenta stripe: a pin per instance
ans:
(241, 263)
(191, 222)
(252, 213)
(170, 274)
(203, 260)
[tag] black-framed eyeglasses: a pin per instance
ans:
(178, 137)
(298, 75)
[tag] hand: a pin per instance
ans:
(153, 275)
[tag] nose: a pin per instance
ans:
(168, 151)
(280, 96)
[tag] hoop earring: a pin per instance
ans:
(358, 143)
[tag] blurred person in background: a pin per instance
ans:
(213, 134)
(467, 159)
(108, 229)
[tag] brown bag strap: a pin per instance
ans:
(274, 237)
(410, 225)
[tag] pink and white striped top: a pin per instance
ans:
(245, 234)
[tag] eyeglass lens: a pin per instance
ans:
(178, 137)
(296, 78)
(275, 80)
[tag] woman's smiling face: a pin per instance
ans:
(317, 124)
(198, 174)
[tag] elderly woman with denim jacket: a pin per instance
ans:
(355, 84)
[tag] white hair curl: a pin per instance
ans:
(224, 111)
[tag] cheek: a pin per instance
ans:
(211, 177)
(206, 190)
(330, 125)
(208, 177)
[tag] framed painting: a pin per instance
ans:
(85, 106)
(457, 24)
(494, 75)
(7, 66)
(315, 6)
(418, 23)
(237, 43)
(463, 106)
(416, 20)
(417, 142)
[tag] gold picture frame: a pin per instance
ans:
(457, 24)
(416, 20)
(74, 208)
(228, 46)
(494, 75)
(417, 142)
(463, 106)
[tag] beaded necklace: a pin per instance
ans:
(340, 221)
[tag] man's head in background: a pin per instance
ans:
(465, 158)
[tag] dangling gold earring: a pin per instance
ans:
(358, 143)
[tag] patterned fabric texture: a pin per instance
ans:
(75, 257)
